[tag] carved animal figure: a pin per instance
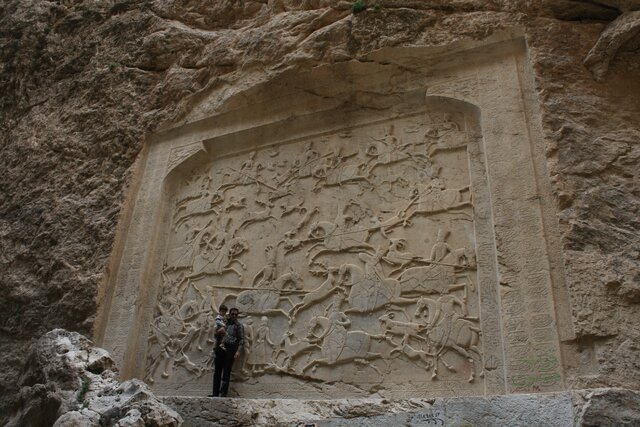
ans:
(328, 287)
(258, 216)
(395, 257)
(384, 151)
(344, 173)
(438, 277)
(337, 344)
(386, 225)
(182, 256)
(434, 197)
(171, 338)
(370, 289)
(289, 350)
(215, 263)
(337, 171)
(266, 300)
(396, 327)
(289, 281)
(200, 205)
(234, 203)
(448, 331)
(445, 140)
(332, 240)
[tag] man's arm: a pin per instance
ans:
(240, 336)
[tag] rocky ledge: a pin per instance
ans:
(69, 382)
(597, 407)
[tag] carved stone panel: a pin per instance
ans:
(351, 255)
(394, 254)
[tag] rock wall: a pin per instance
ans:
(84, 82)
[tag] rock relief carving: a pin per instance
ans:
(355, 248)
(261, 350)
(180, 154)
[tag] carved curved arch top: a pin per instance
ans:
(356, 246)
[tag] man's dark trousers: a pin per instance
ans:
(222, 370)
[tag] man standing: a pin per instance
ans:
(225, 354)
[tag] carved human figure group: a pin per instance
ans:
(315, 246)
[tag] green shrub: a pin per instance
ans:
(86, 382)
(359, 6)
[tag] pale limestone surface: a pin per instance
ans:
(379, 241)
(599, 407)
(84, 82)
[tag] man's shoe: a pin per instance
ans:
(212, 395)
(223, 394)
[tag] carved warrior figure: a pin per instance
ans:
(182, 256)
(444, 136)
(323, 291)
(267, 300)
(384, 151)
(202, 203)
(268, 273)
(370, 289)
(447, 330)
(262, 349)
(249, 335)
(337, 171)
(407, 330)
(441, 275)
(337, 236)
(210, 261)
(440, 249)
(399, 259)
(337, 344)
(434, 197)
(173, 335)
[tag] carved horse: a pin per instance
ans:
(219, 262)
(438, 277)
(332, 240)
(433, 198)
(370, 289)
(447, 331)
(289, 350)
(266, 300)
(210, 261)
(446, 141)
(257, 216)
(202, 205)
(337, 345)
(329, 286)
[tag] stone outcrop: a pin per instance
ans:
(69, 382)
(84, 82)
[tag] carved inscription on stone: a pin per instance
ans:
(351, 256)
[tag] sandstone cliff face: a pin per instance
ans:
(83, 83)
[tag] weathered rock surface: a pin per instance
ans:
(607, 407)
(69, 382)
(600, 407)
(83, 82)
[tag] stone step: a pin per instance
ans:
(596, 407)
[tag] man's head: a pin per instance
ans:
(223, 309)
(233, 313)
